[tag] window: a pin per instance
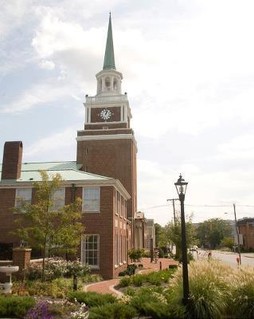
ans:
(119, 204)
(91, 250)
(58, 199)
(23, 196)
(107, 83)
(91, 199)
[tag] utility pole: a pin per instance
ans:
(174, 209)
(238, 237)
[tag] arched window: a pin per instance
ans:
(115, 84)
(107, 83)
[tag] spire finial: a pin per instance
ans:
(109, 58)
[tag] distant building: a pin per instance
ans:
(149, 234)
(246, 230)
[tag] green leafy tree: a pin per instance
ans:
(211, 232)
(228, 242)
(46, 228)
(158, 230)
(171, 233)
(175, 234)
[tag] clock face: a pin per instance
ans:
(105, 114)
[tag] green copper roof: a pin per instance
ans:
(109, 58)
(69, 171)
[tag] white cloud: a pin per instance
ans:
(57, 145)
(189, 73)
(34, 96)
(48, 65)
(240, 147)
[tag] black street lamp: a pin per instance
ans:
(181, 187)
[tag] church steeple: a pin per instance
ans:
(107, 145)
(109, 79)
(109, 58)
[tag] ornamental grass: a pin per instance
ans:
(216, 291)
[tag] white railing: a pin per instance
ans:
(105, 99)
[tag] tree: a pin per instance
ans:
(171, 233)
(212, 231)
(175, 234)
(158, 230)
(46, 228)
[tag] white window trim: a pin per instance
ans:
(97, 208)
(83, 251)
(19, 198)
(55, 199)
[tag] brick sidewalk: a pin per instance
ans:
(107, 286)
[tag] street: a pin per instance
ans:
(227, 257)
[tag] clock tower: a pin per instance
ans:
(107, 146)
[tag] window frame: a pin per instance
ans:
(56, 205)
(91, 204)
(88, 254)
(21, 199)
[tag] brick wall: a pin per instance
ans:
(112, 158)
(12, 160)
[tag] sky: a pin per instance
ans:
(188, 69)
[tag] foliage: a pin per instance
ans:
(242, 287)
(125, 282)
(61, 309)
(155, 278)
(129, 271)
(56, 268)
(209, 291)
(138, 280)
(15, 306)
(227, 242)
(56, 288)
(39, 311)
(171, 233)
(158, 239)
(91, 299)
(148, 301)
(46, 228)
(212, 231)
(81, 313)
(136, 254)
(113, 311)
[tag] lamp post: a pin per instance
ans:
(181, 187)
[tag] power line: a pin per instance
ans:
(197, 205)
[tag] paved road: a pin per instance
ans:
(229, 257)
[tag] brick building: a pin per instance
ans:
(107, 235)
(246, 230)
(103, 176)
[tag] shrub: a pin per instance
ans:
(136, 254)
(124, 282)
(159, 277)
(57, 268)
(57, 288)
(15, 306)
(91, 299)
(39, 311)
(147, 300)
(242, 301)
(209, 291)
(138, 280)
(131, 269)
(49, 309)
(113, 311)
